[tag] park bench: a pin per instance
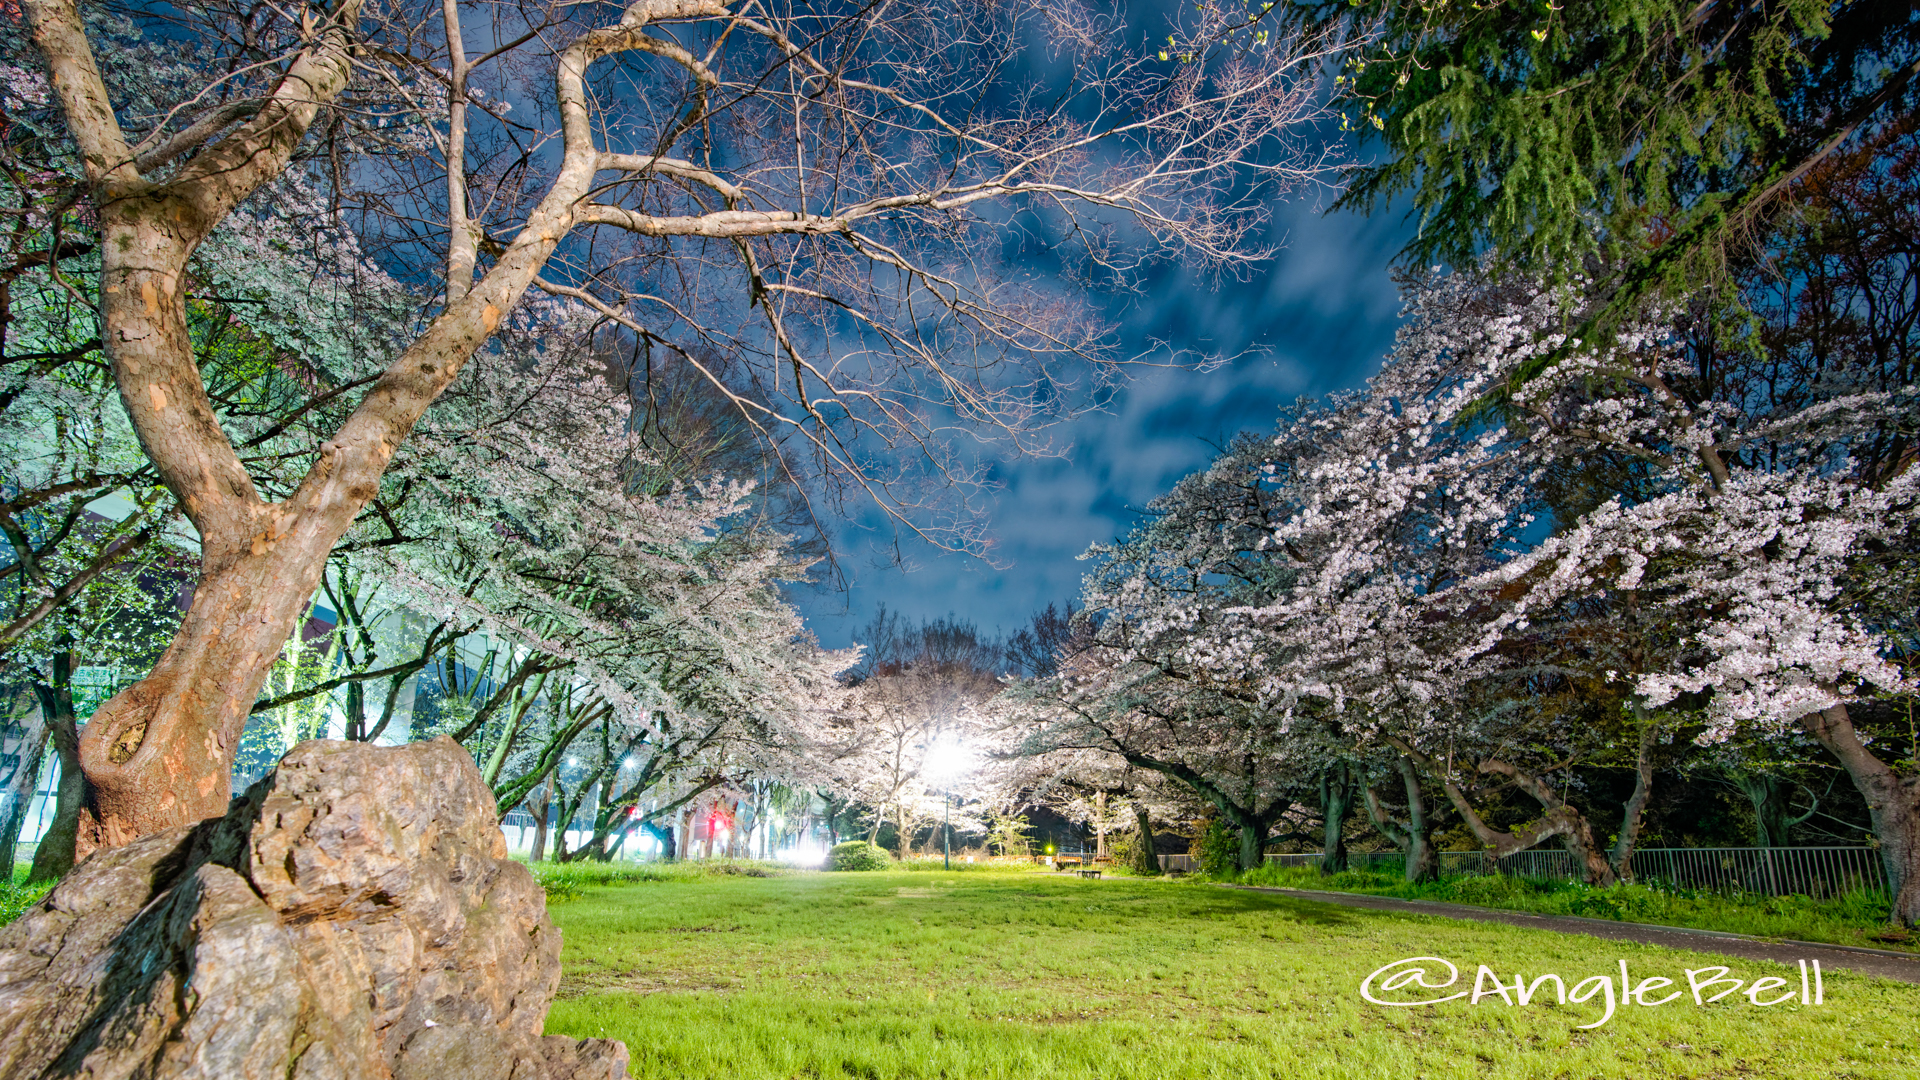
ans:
(1090, 873)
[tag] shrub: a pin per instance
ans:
(936, 864)
(858, 855)
(1220, 850)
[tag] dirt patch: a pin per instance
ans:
(574, 985)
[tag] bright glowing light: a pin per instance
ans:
(631, 763)
(948, 759)
(804, 853)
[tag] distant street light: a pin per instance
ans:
(947, 760)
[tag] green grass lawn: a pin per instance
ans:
(1858, 918)
(16, 896)
(994, 974)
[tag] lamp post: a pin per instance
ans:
(946, 761)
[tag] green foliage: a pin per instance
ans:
(1652, 133)
(1857, 918)
(1036, 976)
(858, 855)
(1219, 850)
(1007, 833)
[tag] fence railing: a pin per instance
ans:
(1780, 871)
(1810, 871)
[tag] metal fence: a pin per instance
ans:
(1780, 871)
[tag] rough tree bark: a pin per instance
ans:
(661, 836)
(834, 809)
(904, 830)
(1336, 802)
(1893, 805)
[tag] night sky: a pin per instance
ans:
(1317, 318)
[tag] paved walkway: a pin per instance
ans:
(1882, 962)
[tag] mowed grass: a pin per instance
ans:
(1857, 919)
(884, 975)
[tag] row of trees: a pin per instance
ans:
(296, 245)
(1632, 494)
(1519, 554)
(1638, 479)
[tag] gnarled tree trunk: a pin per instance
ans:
(540, 808)
(662, 835)
(159, 753)
(1893, 805)
(1633, 813)
(1413, 836)
(903, 840)
(55, 855)
(1253, 829)
(1560, 819)
(1772, 799)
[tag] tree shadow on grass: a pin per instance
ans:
(1310, 912)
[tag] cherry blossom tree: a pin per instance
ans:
(101, 552)
(1515, 554)
(840, 175)
(1721, 563)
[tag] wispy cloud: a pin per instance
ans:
(1317, 319)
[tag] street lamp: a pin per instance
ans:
(947, 760)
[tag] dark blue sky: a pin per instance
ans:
(1317, 318)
